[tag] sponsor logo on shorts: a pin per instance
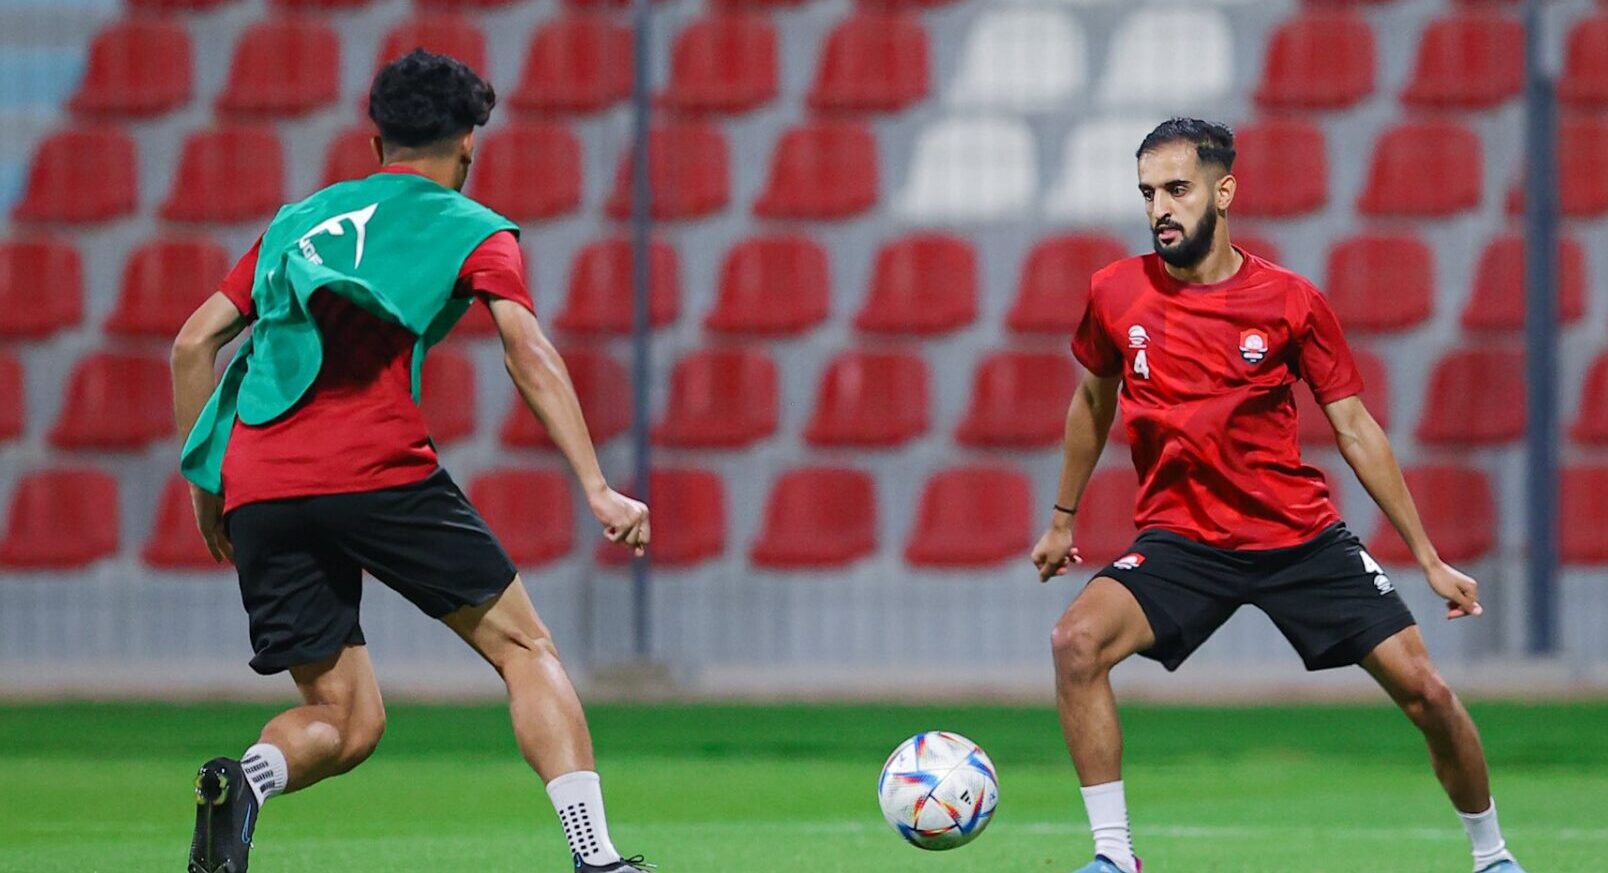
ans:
(1382, 582)
(1253, 346)
(1130, 561)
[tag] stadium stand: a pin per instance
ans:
(773, 285)
(13, 398)
(228, 175)
(720, 398)
(604, 390)
(173, 543)
(530, 511)
(164, 280)
(1497, 302)
(817, 518)
(116, 401)
(1021, 59)
(448, 395)
(600, 298)
(821, 170)
(874, 61)
(137, 68)
(1054, 285)
(871, 399)
(1103, 537)
(688, 171)
(1096, 184)
(1471, 59)
(1398, 185)
(1476, 396)
(970, 169)
(1591, 422)
(528, 171)
(1583, 509)
(1581, 162)
(576, 63)
(723, 63)
(441, 32)
(61, 519)
(350, 154)
(1381, 281)
(1283, 169)
(28, 265)
(81, 175)
(1150, 39)
(972, 516)
(922, 284)
(1313, 426)
(1584, 83)
(1018, 400)
(1319, 59)
(283, 67)
(1458, 510)
(691, 513)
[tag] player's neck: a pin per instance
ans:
(1220, 264)
(442, 171)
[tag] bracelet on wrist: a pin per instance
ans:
(1060, 508)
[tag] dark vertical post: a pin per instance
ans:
(641, 239)
(1541, 336)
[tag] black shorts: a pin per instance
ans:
(301, 563)
(1327, 596)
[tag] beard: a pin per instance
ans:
(1191, 248)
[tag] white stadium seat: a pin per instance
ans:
(970, 170)
(1169, 58)
(1098, 183)
(1024, 60)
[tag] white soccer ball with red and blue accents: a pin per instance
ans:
(938, 790)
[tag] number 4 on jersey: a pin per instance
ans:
(1141, 364)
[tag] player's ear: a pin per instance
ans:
(378, 147)
(1226, 187)
(466, 148)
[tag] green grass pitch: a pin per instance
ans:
(764, 789)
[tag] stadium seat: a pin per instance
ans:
(319, 5)
(1313, 426)
(873, 399)
(1424, 169)
(1019, 400)
(972, 517)
(1584, 83)
(873, 61)
(1583, 512)
(41, 288)
(816, 518)
(164, 281)
(689, 519)
(1498, 299)
(1476, 396)
(1021, 59)
(447, 395)
(601, 294)
(723, 62)
(441, 32)
(1104, 527)
(79, 176)
(283, 67)
(228, 175)
(1471, 59)
(721, 398)
(137, 68)
(350, 155)
(821, 170)
(1458, 510)
(1148, 42)
(115, 402)
(775, 285)
(1583, 166)
(528, 171)
(1321, 59)
(1096, 184)
(1591, 423)
(530, 511)
(13, 398)
(1381, 281)
(60, 520)
(174, 542)
(925, 283)
(1054, 288)
(176, 5)
(463, 4)
(576, 63)
(604, 388)
(688, 172)
(1282, 167)
(967, 169)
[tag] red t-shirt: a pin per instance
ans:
(1208, 375)
(357, 428)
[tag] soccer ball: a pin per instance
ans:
(938, 790)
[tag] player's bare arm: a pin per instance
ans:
(538, 372)
(1088, 422)
(1367, 449)
(194, 361)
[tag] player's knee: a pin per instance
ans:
(362, 737)
(1429, 699)
(523, 648)
(1079, 654)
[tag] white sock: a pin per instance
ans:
(578, 797)
(266, 771)
(1108, 818)
(1486, 837)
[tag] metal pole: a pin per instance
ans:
(641, 237)
(1541, 337)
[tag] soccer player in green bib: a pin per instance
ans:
(310, 463)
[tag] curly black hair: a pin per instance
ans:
(1213, 142)
(423, 98)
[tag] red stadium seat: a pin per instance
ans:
(576, 63)
(228, 175)
(1258, 245)
(688, 173)
(1471, 59)
(1283, 169)
(1019, 399)
(440, 32)
(13, 397)
(163, 282)
(724, 398)
(137, 68)
(283, 67)
(1313, 426)
(528, 171)
(689, 519)
(904, 4)
(176, 5)
(601, 293)
(350, 155)
(1583, 167)
(1583, 512)
(972, 517)
(874, 61)
(448, 395)
(1591, 425)
(115, 401)
(463, 4)
(1424, 169)
(80, 176)
(922, 284)
(1458, 511)
(723, 62)
(870, 399)
(1381, 281)
(604, 389)
(736, 4)
(1054, 288)
(318, 5)
(1105, 528)
(1584, 83)
(772, 285)
(174, 543)
(60, 520)
(530, 511)
(1475, 397)
(1322, 59)
(41, 288)
(821, 170)
(817, 518)
(1499, 285)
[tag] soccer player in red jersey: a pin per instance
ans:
(1201, 345)
(346, 479)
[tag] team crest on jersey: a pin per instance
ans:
(1137, 338)
(1253, 346)
(1130, 561)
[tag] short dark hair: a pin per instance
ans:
(423, 98)
(1213, 142)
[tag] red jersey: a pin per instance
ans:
(1208, 375)
(357, 428)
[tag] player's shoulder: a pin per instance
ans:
(1293, 284)
(1124, 276)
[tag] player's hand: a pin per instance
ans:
(624, 520)
(208, 509)
(1054, 555)
(1462, 593)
